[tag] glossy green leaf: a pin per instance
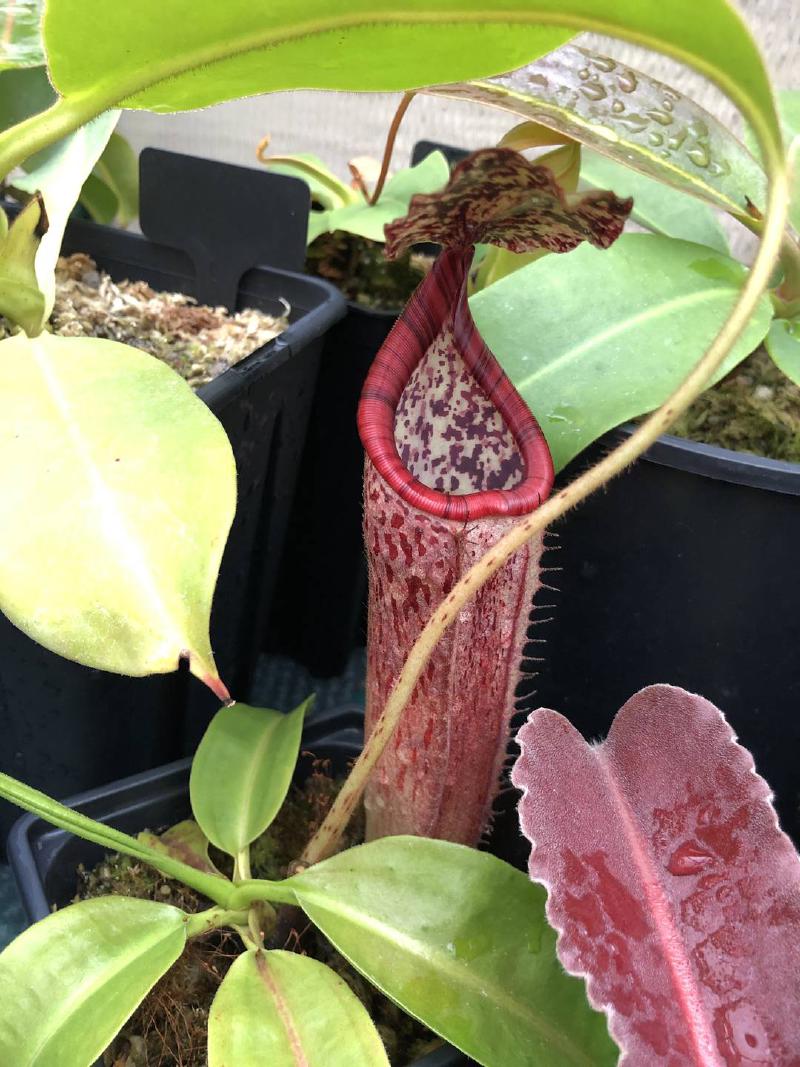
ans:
(69, 983)
(658, 207)
(631, 117)
(20, 33)
(242, 771)
(59, 178)
(460, 940)
(21, 299)
(115, 473)
(118, 169)
(586, 363)
(111, 839)
(286, 1010)
(783, 344)
(367, 220)
(185, 842)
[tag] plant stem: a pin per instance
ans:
(389, 148)
(326, 840)
(204, 921)
(247, 893)
(241, 866)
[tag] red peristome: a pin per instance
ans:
(672, 887)
(438, 311)
(453, 455)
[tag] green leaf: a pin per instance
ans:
(118, 169)
(366, 220)
(656, 206)
(20, 33)
(59, 175)
(242, 771)
(69, 982)
(152, 55)
(460, 940)
(185, 842)
(326, 189)
(632, 118)
(789, 108)
(118, 476)
(99, 199)
(24, 91)
(286, 1010)
(585, 364)
(21, 299)
(783, 344)
(113, 840)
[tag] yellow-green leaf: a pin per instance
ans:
(286, 1010)
(21, 299)
(117, 490)
(242, 771)
(68, 983)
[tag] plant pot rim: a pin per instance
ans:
(722, 464)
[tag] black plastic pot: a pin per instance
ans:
(318, 610)
(44, 860)
(65, 727)
(683, 570)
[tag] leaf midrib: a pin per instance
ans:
(668, 307)
(444, 965)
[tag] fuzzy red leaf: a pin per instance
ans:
(498, 196)
(673, 889)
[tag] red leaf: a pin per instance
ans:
(498, 196)
(672, 887)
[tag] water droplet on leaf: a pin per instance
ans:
(627, 82)
(688, 858)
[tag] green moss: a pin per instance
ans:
(756, 408)
(360, 269)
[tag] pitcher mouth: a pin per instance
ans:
(441, 294)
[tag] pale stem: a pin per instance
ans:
(326, 840)
(241, 865)
(389, 148)
(212, 919)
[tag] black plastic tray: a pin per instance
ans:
(65, 727)
(44, 859)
